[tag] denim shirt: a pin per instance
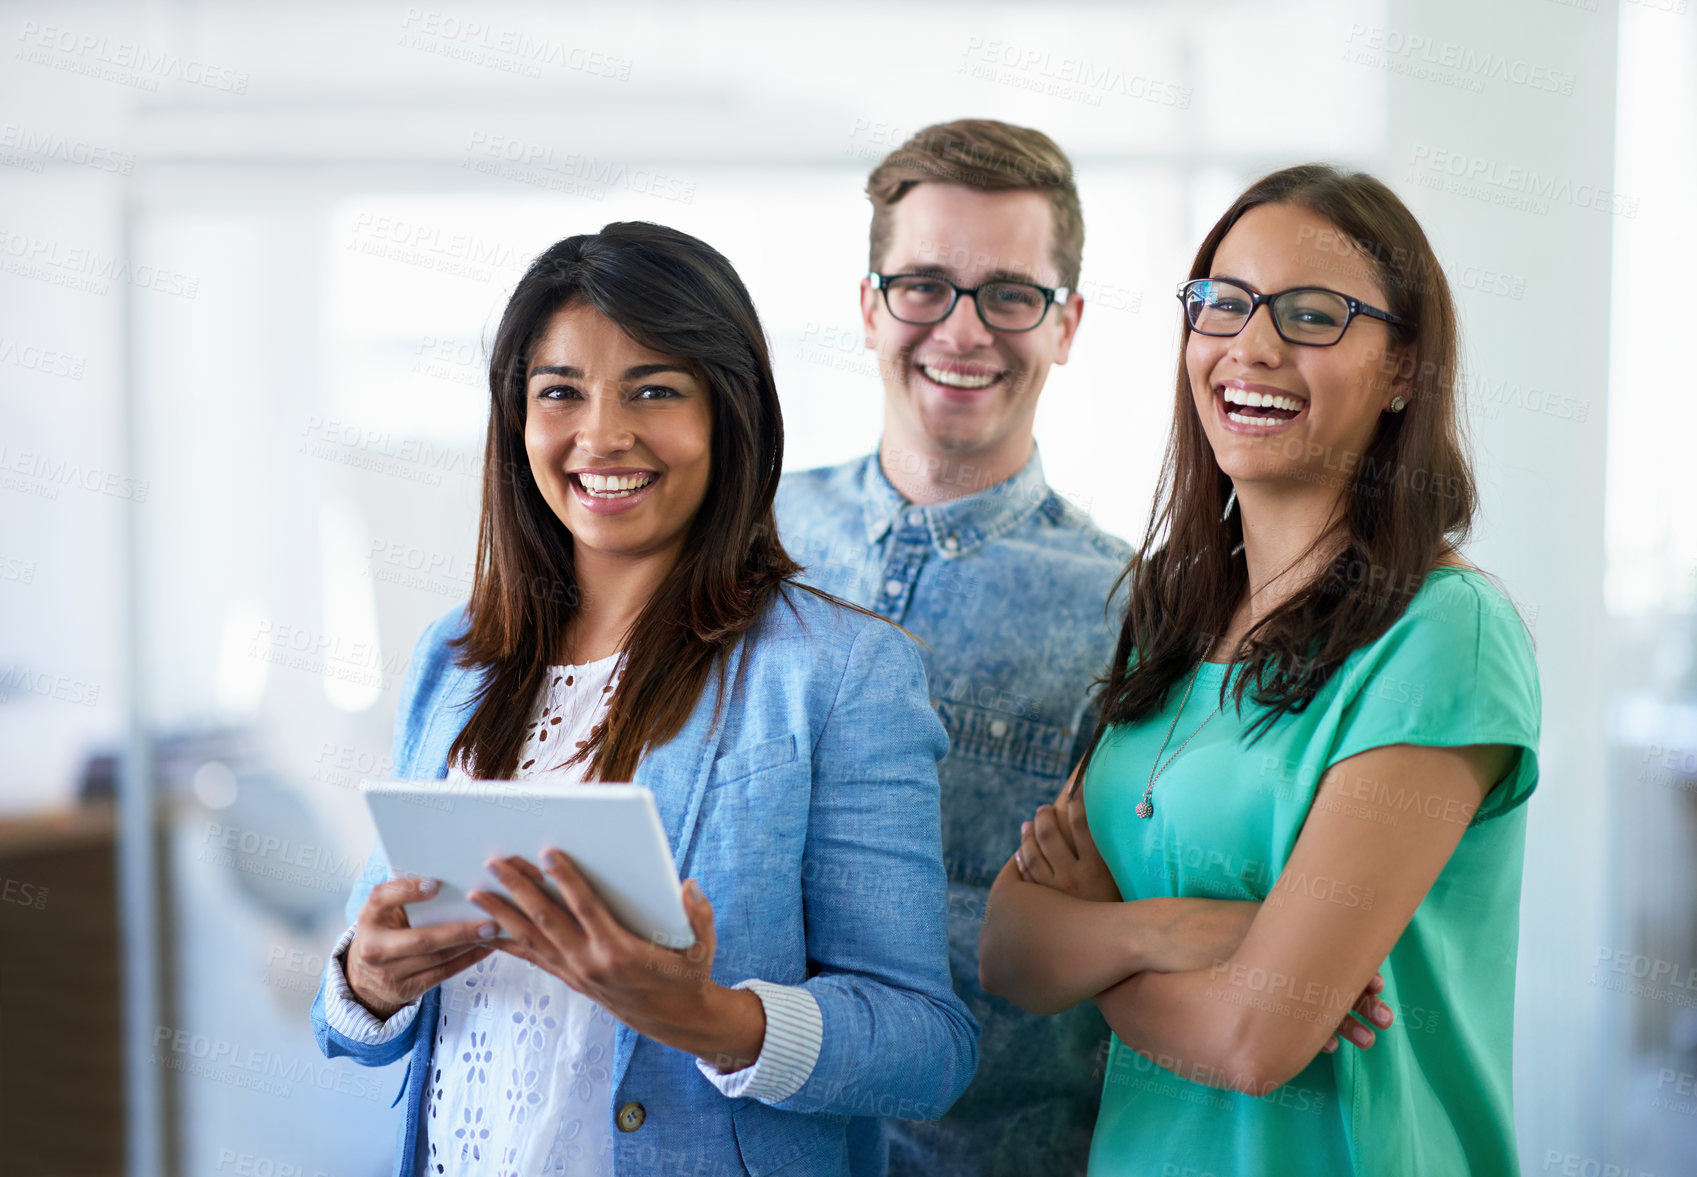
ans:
(1009, 588)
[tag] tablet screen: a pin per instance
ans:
(447, 830)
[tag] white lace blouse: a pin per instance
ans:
(517, 1050)
(521, 1076)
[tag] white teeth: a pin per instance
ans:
(1261, 400)
(1262, 422)
(614, 485)
(959, 379)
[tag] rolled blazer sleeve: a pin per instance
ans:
(793, 1029)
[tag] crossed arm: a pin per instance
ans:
(1246, 1013)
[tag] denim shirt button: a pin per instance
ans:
(998, 728)
(893, 587)
(951, 543)
(915, 517)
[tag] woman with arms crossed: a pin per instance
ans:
(634, 617)
(1349, 742)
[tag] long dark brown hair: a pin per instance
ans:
(1404, 499)
(677, 296)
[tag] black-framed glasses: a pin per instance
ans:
(1002, 305)
(1310, 315)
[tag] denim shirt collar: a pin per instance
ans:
(960, 526)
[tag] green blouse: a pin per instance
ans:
(1433, 1093)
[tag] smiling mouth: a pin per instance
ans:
(612, 486)
(1259, 410)
(953, 378)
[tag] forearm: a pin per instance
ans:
(1181, 1022)
(730, 1031)
(726, 1030)
(1046, 951)
(1232, 1025)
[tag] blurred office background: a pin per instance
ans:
(250, 257)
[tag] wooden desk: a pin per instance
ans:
(61, 998)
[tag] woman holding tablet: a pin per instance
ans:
(1315, 704)
(634, 618)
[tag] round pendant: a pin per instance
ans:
(1145, 809)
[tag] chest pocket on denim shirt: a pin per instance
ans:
(1001, 737)
(741, 763)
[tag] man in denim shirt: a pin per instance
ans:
(951, 530)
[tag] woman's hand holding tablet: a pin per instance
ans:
(390, 962)
(667, 994)
(604, 919)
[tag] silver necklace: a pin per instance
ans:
(1146, 807)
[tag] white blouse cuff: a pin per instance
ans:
(344, 1012)
(794, 1033)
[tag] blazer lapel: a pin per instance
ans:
(447, 719)
(677, 773)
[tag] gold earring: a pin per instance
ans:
(1398, 404)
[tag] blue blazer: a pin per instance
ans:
(809, 812)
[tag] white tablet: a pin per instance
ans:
(447, 830)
